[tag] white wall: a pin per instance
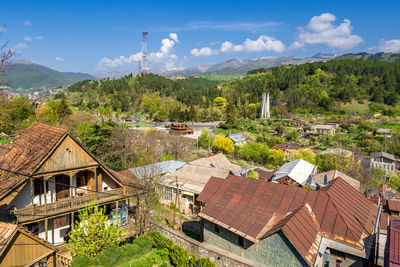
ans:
(22, 199)
(50, 196)
(109, 183)
(55, 236)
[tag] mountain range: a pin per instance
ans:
(29, 75)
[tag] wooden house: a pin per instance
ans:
(19, 247)
(180, 128)
(47, 175)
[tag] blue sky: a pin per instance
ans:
(103, 36)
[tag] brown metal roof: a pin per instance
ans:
(218, 160)
(394, 241)
(319, 178)
(394, 205)
(249, 207)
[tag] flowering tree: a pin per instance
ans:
(93, 233)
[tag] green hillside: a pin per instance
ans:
(388, 57)
(29, 75)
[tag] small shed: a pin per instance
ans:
(237, 138)
(19, 247)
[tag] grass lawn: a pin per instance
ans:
(6, 141)
(394, 126)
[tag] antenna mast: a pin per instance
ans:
(144, 52)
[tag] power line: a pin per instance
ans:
(65, 185)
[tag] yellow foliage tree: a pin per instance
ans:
(306, 155)
(220, 102)
(222, 143)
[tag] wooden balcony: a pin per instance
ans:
(66, 205)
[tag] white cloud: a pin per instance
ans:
(21, 46)
(38, 37)
(164, 59)
(174, 37)
(263, 43)
(27, 23)
(28, 38)
(3, 29)
(391, 46)
(202, 52)
(321, 30)
(59, 59)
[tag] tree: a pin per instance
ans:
(93, 232)
(254, 175)
(220, 102)
(276, 157)
(205, 139)
(6, 54)
(222, 143)
(306, 155)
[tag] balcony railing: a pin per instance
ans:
(65, 205)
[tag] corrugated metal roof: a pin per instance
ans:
(193, 178)
(249, 207)
(286, 146)
(394, 241)
(298, 170)
(237, 137)
(217, 161)
(394, 205)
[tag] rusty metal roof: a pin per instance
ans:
(249, 207)
(394, 205)
(394, 241)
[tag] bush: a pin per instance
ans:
(179, 256)
(159, 241)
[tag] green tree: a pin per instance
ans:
(254, 175)
(222, 143)
(93, 233)
(205, 139)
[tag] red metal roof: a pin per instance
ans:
(251, 208)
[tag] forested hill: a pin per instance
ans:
(388, 57)
(321, 85)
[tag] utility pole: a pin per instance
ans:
(144, 52)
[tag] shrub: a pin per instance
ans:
(179, 256)
(159, 241)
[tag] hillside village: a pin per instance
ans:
(199, 134)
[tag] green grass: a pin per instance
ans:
(222, 77)
(394, 126)
(132, 124)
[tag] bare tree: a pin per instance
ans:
(147, 197)
(6, 54)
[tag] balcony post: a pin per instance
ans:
(95, 178)
(70, 184)
(45, 230)
(116, 214)
(31, 185)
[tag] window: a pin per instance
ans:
(216, 228)
(240, 241)
(38, 187)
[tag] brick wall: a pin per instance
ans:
(220, 256)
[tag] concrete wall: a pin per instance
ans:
(275, 250)
(220, 256)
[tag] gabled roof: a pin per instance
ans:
(319, 178)
(237, 137)
(394, 205)
(382, 154)
(249, 207)
(29, 151)
(7, 231)
(298, 170)
(193, 178)
(218, 160)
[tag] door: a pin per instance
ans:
(62, 186)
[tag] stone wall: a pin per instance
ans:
(220, 256)
(275, 250)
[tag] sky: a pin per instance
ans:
(105, 36)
